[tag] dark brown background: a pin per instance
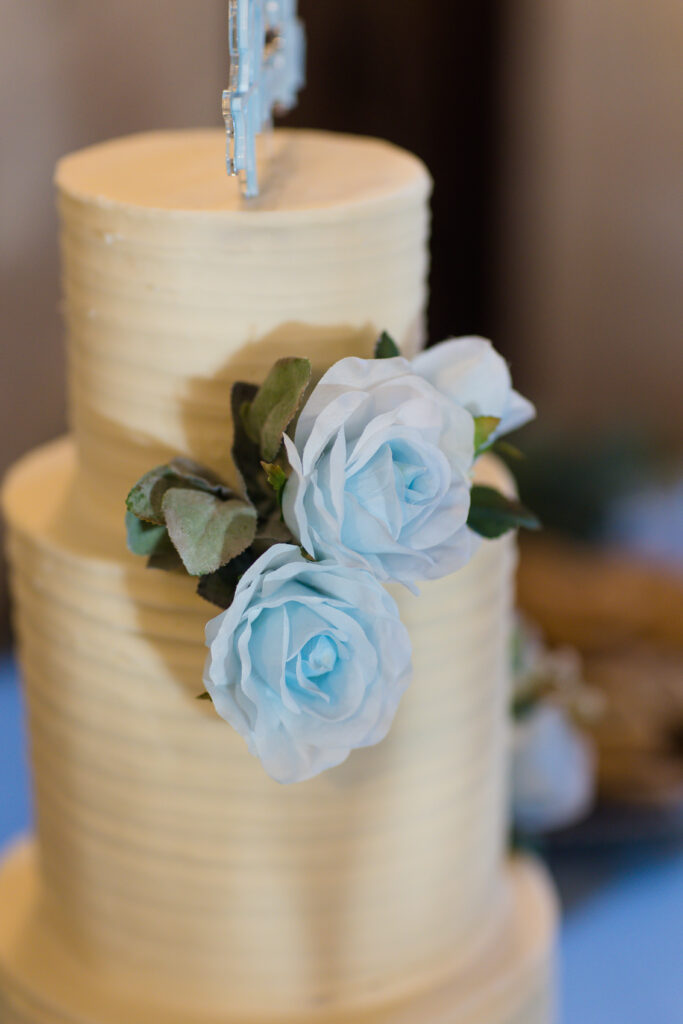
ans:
(424, 75)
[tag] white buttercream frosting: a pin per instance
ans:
(164, 843)
(175, 872)
(42, 982)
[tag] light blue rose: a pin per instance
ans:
(472, 374)
(380, 478)
(309, 662)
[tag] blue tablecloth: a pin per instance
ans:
(622, 937)
(15, 804)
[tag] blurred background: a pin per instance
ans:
(554, 131)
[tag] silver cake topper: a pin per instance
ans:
(267, 68)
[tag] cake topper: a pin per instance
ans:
(267, 58)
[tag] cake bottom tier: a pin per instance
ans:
(41, 983)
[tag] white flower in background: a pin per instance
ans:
(553, 760)
(381, 466)
(553, 771)
(309, 662)
(472, 374)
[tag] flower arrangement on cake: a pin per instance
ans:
(362, 480)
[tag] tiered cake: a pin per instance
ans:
(171, 880)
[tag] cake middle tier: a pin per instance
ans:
(170, 861)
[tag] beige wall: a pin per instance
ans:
(74, 72)
(592, 241)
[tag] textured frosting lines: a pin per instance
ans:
(180, 871)
(166, 845)
(165, 309)
(511, 984)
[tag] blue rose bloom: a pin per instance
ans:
(309, 662)
(381, 465)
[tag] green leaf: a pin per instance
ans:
(277, 479)
(274, 530)
(386, 347)
(145, 538)
(526, 702)
(204, 696)
(492, 514)
(153, 542)
(246, 454)
(167, 560)
(193, 474)
(216, 589)
(207, 532)
(219, 587)
(275, 475)
(146, 498)
(276, 404)
(484, 427)
(508, 451)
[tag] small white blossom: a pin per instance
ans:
(472, 374)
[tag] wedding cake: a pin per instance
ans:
(171, 879)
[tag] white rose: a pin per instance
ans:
(471, 373)
(553, 771)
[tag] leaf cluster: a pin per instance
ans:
(182, 517)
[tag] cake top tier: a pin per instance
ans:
(176, 287)
(184, 172)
